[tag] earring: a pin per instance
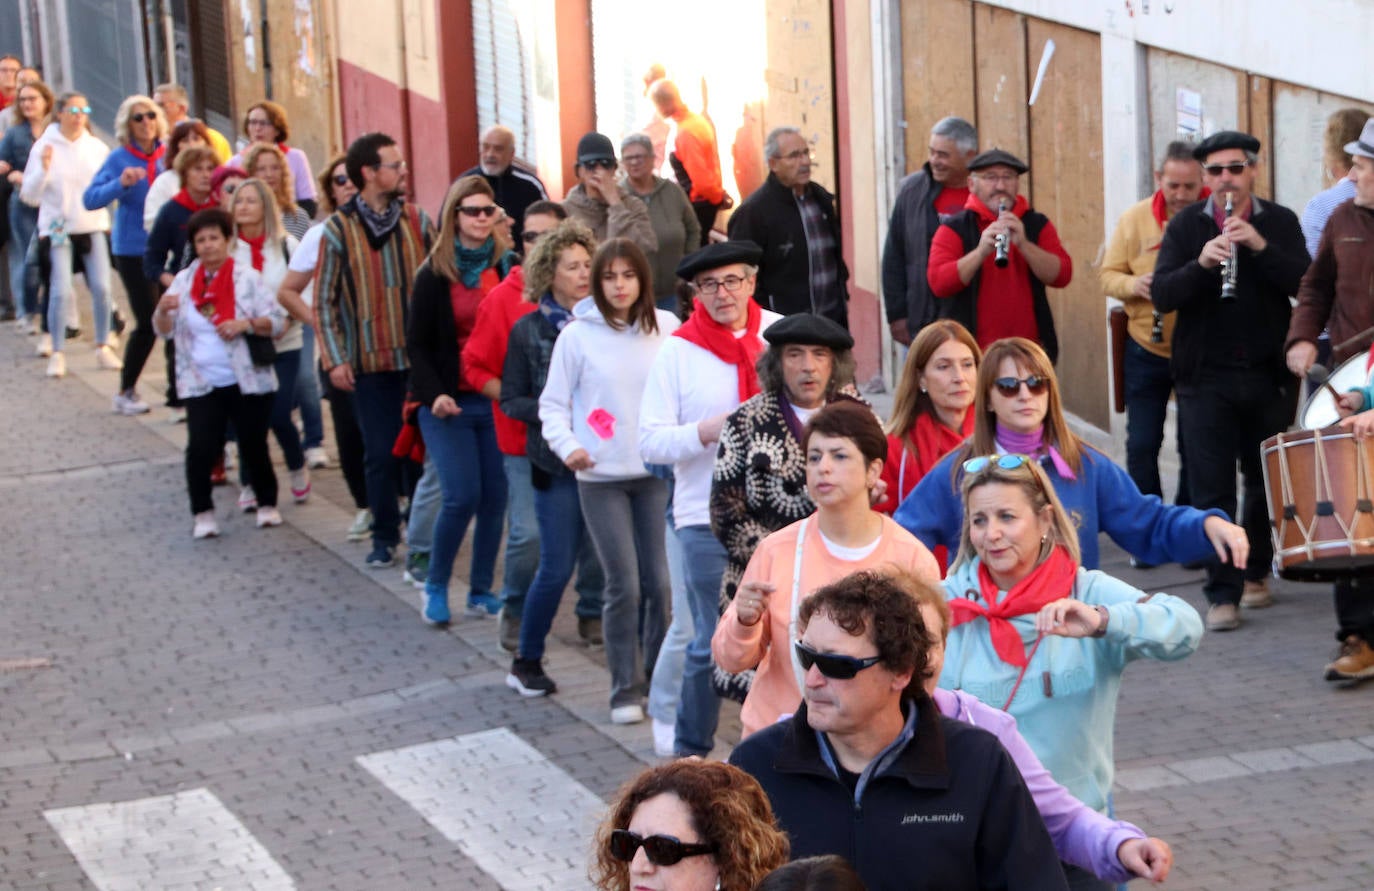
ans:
(923, 389)
(717, 883)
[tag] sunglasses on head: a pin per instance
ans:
(1235, 169)
(486, 210)
(78, 109)
(1010, 386)
(1006, 462)
(832, 665)
(141, 116)
(662, 850)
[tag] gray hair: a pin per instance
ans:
(1178, 150)
(770, 145)
(964, 134)
(771, 380)
(639, 139)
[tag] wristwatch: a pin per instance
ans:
(1106, 616)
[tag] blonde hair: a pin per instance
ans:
(126, 108)
(286, 189)
(271, 216)
(1039, 491)
(443, 257)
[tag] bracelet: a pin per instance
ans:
(1106, 616)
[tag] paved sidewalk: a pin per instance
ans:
(273, 714)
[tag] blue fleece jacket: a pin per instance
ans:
(1066, 704)
(128, 238)
(1103, 498)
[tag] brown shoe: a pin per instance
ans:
(1223, 617)
(590, 631)
(1356, 661)
(1256, 595)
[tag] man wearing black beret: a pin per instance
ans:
(1234, 389)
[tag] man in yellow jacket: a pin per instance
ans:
(1127, 269)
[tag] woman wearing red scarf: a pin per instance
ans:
(264, 246)
(930, 413)
(207, 310)
(266, 122)
(1038, 636)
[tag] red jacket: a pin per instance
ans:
(484, 354)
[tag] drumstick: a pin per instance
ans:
(1319, 376)
(1353, 340)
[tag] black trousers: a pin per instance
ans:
(706, 216)
(1223, 416)
(206, 420)
(348, 439)
(142, 301)
(1355, 609)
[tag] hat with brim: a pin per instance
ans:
(808, 329)
(714, 256)
(996, 158)
(1364, 146)
(595, 147)
(1226, 139)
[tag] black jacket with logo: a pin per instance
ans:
(944, 808)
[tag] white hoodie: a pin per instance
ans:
(57, 191)
(594, 388)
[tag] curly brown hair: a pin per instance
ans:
(729, 810)
(542, 262)
(875, 602)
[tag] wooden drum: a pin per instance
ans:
(1320, 485)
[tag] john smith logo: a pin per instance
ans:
(932, 818)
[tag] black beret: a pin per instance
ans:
(806, 328)
(714, 256)
(994, 157)
(1225, 139)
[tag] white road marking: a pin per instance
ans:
(189, 839)
(518, 816)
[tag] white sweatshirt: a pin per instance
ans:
(595, 384)
(57, 191)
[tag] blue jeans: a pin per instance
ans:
(377, 401)
(561, 534)
(463, 449)
(1148, 385)
(97, 266)
(24, 287)
(522, 548)
(665, 689)
(307, 395)
(425, 502)
(699, 711)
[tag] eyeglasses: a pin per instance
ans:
(635, 158)
(731, 283)
(229, 188)
(1010, 386)
(799, 154)
(998, 177)
(394, 165)
(833, 665)
(530, 237)
(602, 163)
(78, 109)
(141, 116)
(662, 850)
(486, 210)
(1006, 462)
(259, 122)
(340, 179)
(27, 99)
(1235, 169)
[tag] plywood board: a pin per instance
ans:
(1066, 185)
(937, 69)
(1259, 98)
(1000, 65)
(801, 91)
(1221, 91)
(1299, 126)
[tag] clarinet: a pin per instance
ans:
(1230, 267)
(1002, 241)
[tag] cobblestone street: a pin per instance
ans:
(262, 711)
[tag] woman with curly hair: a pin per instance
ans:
(266, 162)
(688, 825)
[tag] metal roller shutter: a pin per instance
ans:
(502, 65)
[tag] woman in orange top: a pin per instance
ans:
(844, 447)
(930, 413)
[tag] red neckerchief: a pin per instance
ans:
(1369, 361)
(1048, 582)
(255, 248)
(721, 342)
(214, 298)
(988, 215)
(185, 200)
(1160, 208)
(284, 148)
(930, 440)
(150, 160)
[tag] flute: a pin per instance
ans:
(1230, 267)
(1002, 241)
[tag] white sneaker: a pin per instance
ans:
(231, 454)
(129, 404)
(106, 358)
(665, 739)
(315, 458)
(112, 341)
(35, 325)
(362, 526)
(627, 714)
(300, 485)
(205, 527)
(248, 502)
(268, 516)
(57, 366)
(44, 347)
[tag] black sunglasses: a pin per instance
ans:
(832, 665)
(1235, 169)
(1010, 386)
(486, 210)
(141, 116)
(603, 163)
(662, 850)
(530, 237)
(340, 179)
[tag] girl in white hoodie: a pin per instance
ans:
(61, 165)
(589, 409)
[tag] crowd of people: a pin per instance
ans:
(628, 398)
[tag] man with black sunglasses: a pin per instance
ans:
(1233, 386)
(604, 205)
(868, 769)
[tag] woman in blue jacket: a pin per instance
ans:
(125, 177)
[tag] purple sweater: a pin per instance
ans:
(1081, 835)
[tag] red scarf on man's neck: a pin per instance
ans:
(185, 200)
(255, 248)
(721, 342)
(214, 297)
(149, 159)
(1046, 583)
